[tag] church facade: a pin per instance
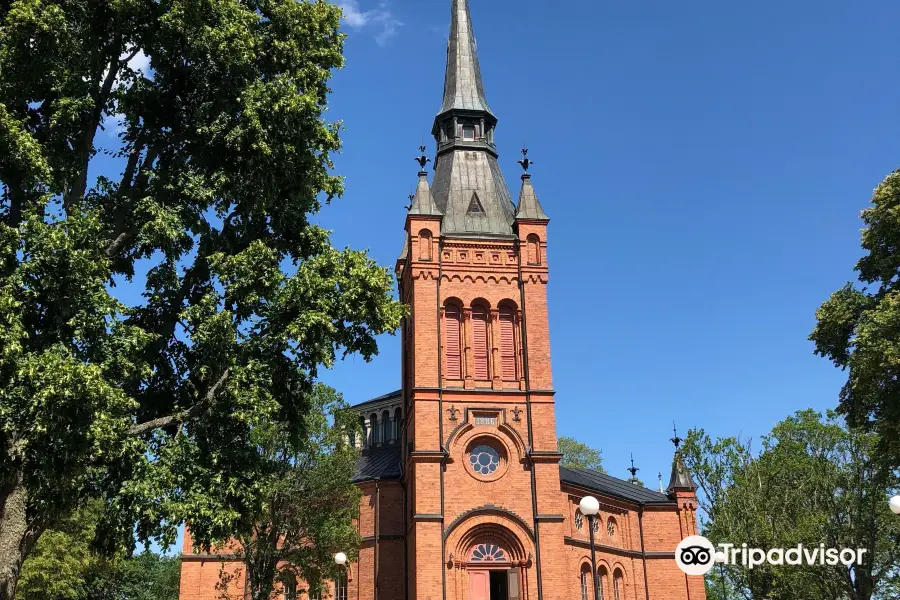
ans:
(463, 494)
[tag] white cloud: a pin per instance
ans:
(140, 62)
(380, 18)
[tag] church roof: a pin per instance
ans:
(473, 196)
(611, 486)
(529, 205)
(681, 478)
(463, 88)
(395, 395)
(378, 463)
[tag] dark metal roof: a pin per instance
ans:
(529, 205)
(423, 200)
(465, 179)
(390, 395)
(681, 477)
(463, 88)
(611, 486)
(378, 463)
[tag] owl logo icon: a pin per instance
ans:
(695, 555)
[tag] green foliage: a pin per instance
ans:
(150, 396)
(813, 481)
(859, 328)
(579, 455)
(308, 500)
(64, 567)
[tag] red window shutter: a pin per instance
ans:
(480, 342)
(507, 344)
(453, 369)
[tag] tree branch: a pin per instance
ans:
(141, 428)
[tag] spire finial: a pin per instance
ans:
(633, 470)
(659, 476)
(422, 160)
(525, 162)
(411, 198)
(675, 440)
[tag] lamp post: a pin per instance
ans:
(589, 507)
(895, 505)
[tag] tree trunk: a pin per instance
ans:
(16, 537)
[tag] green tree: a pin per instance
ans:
(857, 328)
(308, 501)
(813, 481)
(63, 566)
(163, 296)
(579, 455)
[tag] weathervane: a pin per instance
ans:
(422, 160)
(525, 162)
(633, 470)
(675, 440)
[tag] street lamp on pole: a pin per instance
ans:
(589, 507)
(895, 505)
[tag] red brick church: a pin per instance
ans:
(464, 497)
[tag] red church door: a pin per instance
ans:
(479, 585)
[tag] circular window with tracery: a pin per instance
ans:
(484, 459)
(488, 553)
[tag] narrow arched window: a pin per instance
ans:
(376, 433)
(397, 418)
(601, 583)
(585, 583)
(452, 346)
(289, 587)
(386, 427)
(534, 249)
(508, 343)
(480, 350)
(340, 587)
(424, 245)
(618, 586)
(362, 427)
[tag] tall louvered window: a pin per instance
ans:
(508, 343)
(453, 349)
(480, 349)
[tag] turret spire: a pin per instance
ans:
(463, 88)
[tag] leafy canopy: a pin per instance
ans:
(163, 292)
(813, 481)
(579, 455)
(858, 328)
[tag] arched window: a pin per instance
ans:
(618, 586)
(534, 249)
(488, 553)
(585, 582)
(602, 578)
(376, 433)
(364, 441)
(611, 527)
(340, 587)
(480, 350)
(452, 346)
(425, 245)
(507, 343)
(397, 419)
(386, 436)
(289, 589)
(579, 520)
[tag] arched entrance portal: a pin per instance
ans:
(493, 574)
(490, 557)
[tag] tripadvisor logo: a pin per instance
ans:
(696, 555)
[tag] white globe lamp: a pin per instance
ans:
(340, 559)
(589, 506)
(895, 505)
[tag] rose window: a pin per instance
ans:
(484, 459)
(488, 552)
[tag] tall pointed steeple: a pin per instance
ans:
(463, 88)
(468, 187)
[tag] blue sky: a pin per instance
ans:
(703, 164)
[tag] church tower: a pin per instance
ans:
(479, 455)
